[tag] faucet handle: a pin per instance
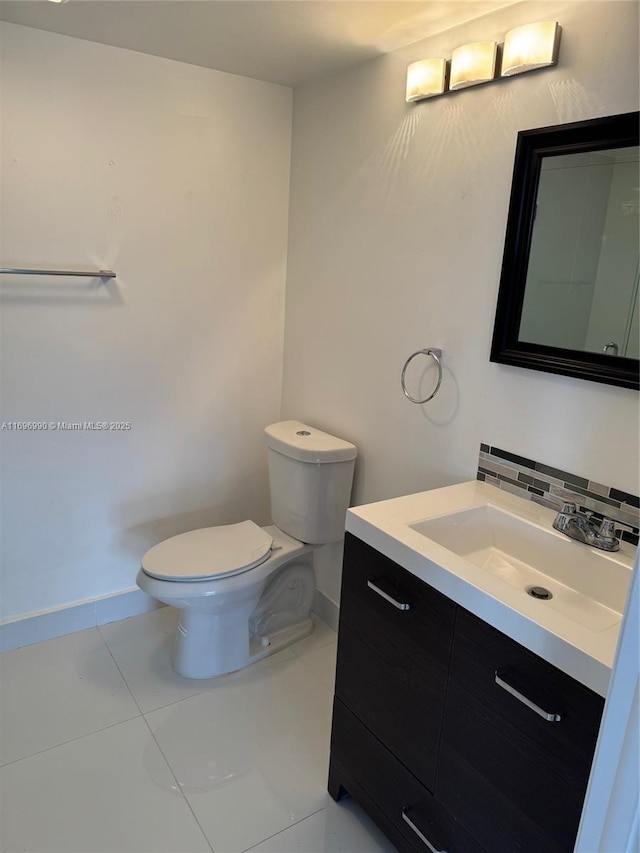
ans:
(607, 528)
(563, 518)
(606, 537)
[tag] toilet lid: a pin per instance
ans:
(210, 552)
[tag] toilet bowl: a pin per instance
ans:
(221, 628)
(244, 591)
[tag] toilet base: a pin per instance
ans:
(279, 640)
(211, 644)
(194, 635)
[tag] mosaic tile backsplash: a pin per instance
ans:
(543, 484)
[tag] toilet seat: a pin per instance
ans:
(212, 552)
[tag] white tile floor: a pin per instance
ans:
(103, 748)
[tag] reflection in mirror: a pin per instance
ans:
(581, 290)
(568, 297)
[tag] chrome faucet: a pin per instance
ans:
(579, 526)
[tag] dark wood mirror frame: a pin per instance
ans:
(532, 146)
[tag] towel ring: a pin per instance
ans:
(436, 355)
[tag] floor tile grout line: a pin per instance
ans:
(111, 655)
(95, 731)
(139, 715)
(71, 740)
(286, 829)
(149, 710)
(176, 701)
(179, 786)
(235, 674)
(155, 740)
(160, 707)
(237, 677)
(151, 732)
(241, 673)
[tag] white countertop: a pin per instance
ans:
(585, 654)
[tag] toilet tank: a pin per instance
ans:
(310, 477)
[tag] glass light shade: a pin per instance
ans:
(472, 64)
(426, 78)
(529, 47)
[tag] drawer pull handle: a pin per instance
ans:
(407, 820)
(552, 718)
(401, 605)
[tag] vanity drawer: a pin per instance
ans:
(386, 696)
(500, 747)
(392, 664)
(394, 611)
(380, 779)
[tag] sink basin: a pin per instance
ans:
(586, 585)
(484, 548)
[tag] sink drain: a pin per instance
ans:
(539, 592)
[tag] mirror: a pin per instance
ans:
(568, 298)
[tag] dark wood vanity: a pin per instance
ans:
(452, 736)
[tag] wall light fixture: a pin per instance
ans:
(426, 79)
(525, 49)
(530, 47)
(472, 64)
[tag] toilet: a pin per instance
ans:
(244, 591)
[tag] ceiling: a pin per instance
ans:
(281, 41)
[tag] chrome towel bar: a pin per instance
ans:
(83, 273)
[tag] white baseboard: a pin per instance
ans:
(47, 624)
(326, 609)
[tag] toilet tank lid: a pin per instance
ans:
(308, 444)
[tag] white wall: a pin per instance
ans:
(176, 177)
(397, 222)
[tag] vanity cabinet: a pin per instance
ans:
(395, 644)
(452, 736)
